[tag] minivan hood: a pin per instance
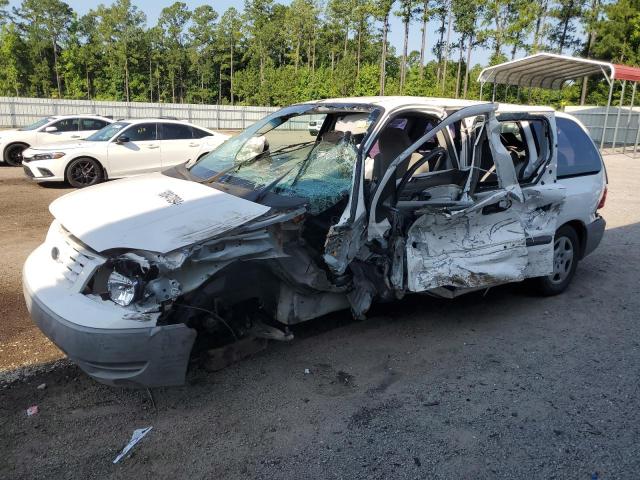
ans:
(151, 212)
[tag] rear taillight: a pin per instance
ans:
(603, 199)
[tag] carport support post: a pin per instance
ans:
(615, 130)
(606, 114)
(635, 145)
(626, 130)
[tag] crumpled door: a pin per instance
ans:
(481, 245)
(477, 247)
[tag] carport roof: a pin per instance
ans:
(549, 70)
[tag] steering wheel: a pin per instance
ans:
(438, 152)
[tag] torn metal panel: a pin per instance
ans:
(397, 265)
(539, 215)
(363, 292)
(466, 251)
(295, 307)
(343, 244)
(505, 171)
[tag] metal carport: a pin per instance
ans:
(552, 71)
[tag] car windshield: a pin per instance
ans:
(107, 133)
(279, 154)
(38, 124)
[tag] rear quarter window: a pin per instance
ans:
(197, 133)
(576, 153)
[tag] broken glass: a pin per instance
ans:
(324, 178)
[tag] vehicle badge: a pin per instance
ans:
(171, 197)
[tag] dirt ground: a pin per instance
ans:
(506, 385)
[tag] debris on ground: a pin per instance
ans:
(42, 386)
(138, 434)
(32, 410)
(307, 371)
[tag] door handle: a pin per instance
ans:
(75, 136)
(194, 144)
(151, 147)
(501, 206)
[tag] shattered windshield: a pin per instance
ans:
(281, 155)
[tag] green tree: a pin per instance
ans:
(466, 13)
(230, 35)
(12, 50)
(173, 21)
(120, 31)
(46, 23)
(618, 34)
(564, 33)
(425, 15)
(382, 13)
(407, 12)
(202, 52)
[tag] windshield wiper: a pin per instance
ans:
(294, 146)
(249, 161)
(267, 188)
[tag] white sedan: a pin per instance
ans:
(122, 149)
(48, 130)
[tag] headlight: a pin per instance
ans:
(122, 289)
(48, 156)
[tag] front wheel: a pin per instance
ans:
(13, 154)
(84, 172)
(565, 260)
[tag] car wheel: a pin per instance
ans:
(565, 260)
(13, 154)
(84, 172)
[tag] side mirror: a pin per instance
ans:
(51, 129)
(122, 139)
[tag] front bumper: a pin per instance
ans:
(44, 170)
(595, 232)
(141, 357)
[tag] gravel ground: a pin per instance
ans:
(507, 385)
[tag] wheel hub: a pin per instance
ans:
(562, 259)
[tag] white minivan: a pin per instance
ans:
(394, 195)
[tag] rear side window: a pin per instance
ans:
(197, 133)
(92, 124)
(175, 131)
(67, 125)
(141, 132)
(576, 153)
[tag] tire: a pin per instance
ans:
(13, 154)
(566, 252)
(84, 172)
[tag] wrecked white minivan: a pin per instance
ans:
(275, 227)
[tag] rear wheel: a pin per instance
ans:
(84, 172)
(565, 260)
(13, 154)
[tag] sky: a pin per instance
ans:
(152, 9)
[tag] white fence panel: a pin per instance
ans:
(19, 111)
(628, 123)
